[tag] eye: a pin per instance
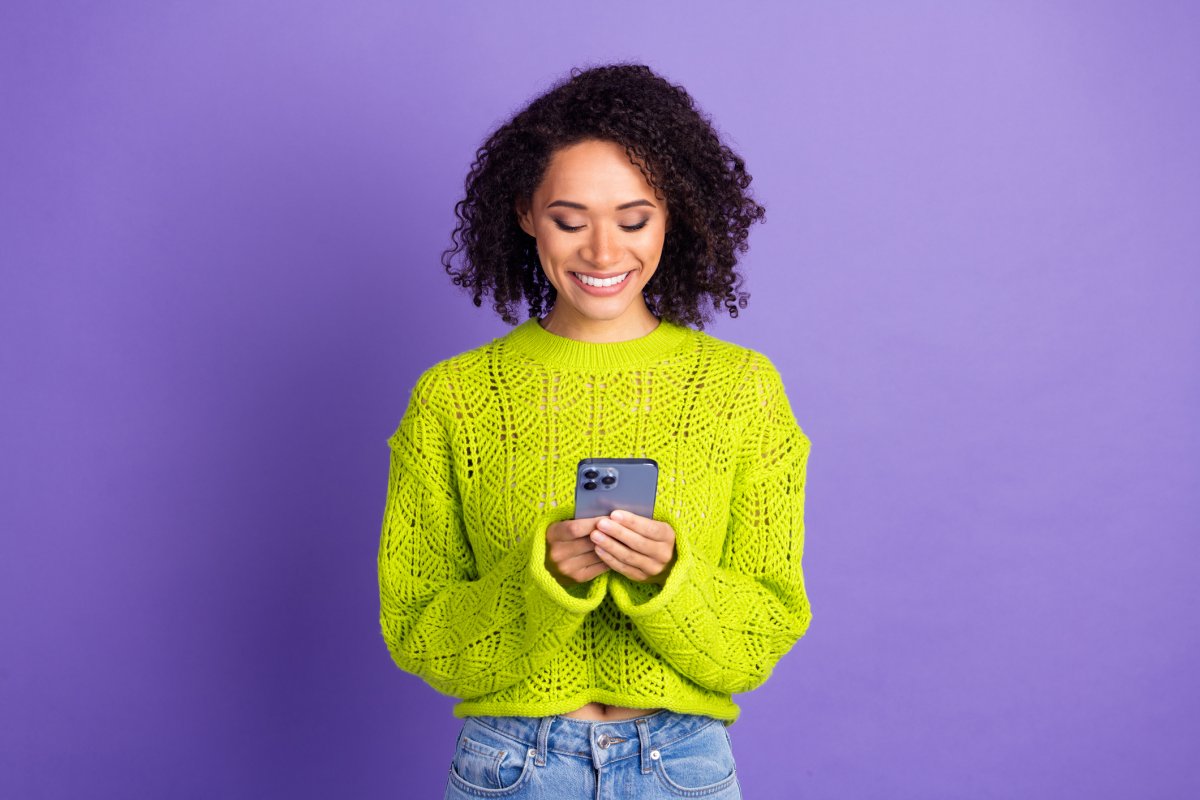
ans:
(630, 228)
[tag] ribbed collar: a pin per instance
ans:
(540, 344)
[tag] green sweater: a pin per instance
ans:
(484, 459)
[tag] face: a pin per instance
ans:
(595, 215)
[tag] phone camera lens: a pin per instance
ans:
(608, 480)
(590, 473)
(590, 485)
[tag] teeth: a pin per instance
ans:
(606, 282)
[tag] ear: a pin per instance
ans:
(521, 206)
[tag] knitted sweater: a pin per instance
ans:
(484, 459)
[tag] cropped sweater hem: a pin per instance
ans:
(723, 709)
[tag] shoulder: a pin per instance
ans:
(759, 396)
(432, 407)
(746, 365)
(451, 380)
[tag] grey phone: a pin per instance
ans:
(606, 484)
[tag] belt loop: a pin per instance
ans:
(543, 735)
(643, 729)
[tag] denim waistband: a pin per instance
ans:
(602, 742)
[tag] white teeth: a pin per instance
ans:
(606, 282)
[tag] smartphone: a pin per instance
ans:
(603, 485)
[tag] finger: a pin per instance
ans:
(583, 564)
(650, 528)
(591, 571)
(631, 539)
(566, 530)
(578, 562)
(561, 551)
(584, 567)
(620, 566)
(632, 558)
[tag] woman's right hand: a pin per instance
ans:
(570, 554)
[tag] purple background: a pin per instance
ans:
(220, 233)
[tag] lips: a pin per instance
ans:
(602, 291)
(600, 275)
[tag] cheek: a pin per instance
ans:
(650, 254)
(553, 248)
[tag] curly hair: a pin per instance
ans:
(676, 148)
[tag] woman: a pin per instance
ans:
(596, 657)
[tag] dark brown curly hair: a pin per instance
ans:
(674, 145)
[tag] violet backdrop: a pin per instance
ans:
(220, 226)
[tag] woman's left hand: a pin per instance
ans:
(640, 548)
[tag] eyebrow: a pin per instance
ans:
(582, 207)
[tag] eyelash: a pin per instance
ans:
(629, 228)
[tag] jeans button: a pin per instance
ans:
(603, 741)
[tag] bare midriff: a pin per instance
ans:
(602, 712)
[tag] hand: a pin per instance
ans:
(640, 548)
(570, 556)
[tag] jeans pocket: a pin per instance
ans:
(488, 764)
(698, 765)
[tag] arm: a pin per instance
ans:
(463, 633)
(725, 625)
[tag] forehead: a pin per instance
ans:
(596, 170)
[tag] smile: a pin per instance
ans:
(606, 282)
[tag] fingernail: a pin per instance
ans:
(597, 536)
(617, 515)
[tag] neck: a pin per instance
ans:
(632, 325)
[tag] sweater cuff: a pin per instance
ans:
(581, 598)
(638, 599)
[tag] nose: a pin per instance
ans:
(605, 249)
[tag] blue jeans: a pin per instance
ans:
(661, 755)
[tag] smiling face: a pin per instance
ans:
(595, 217)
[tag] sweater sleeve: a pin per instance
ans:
(725, 625)
(466, 634)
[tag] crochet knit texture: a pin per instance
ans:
(484, 460)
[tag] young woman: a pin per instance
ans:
(596, 657)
